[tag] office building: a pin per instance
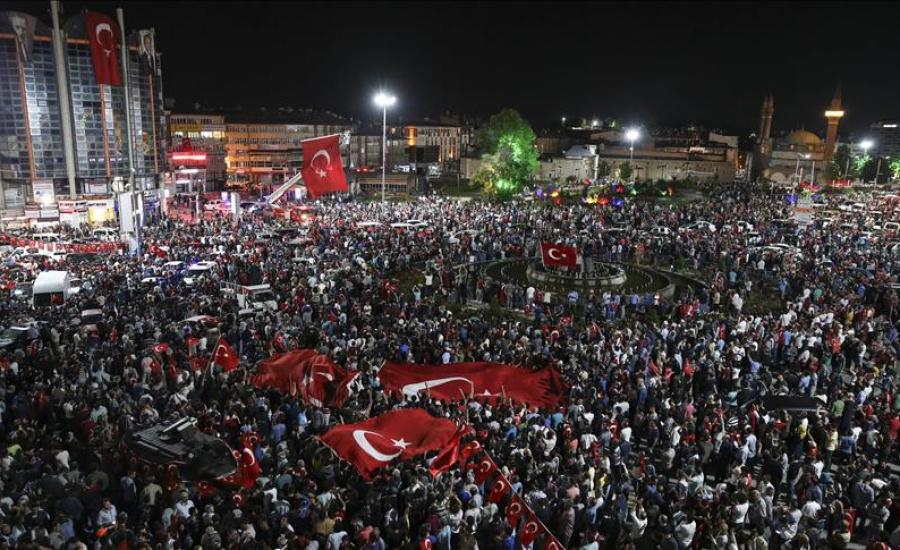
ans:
(63, 134)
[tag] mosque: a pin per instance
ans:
(800, 155)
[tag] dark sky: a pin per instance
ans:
(666, 63)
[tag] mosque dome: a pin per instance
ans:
(803, 137)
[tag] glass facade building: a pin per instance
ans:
(31, 117)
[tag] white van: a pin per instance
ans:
(51, 288)
(196, 270)
(257, 297)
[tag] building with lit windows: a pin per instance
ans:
(63, 136)
(887, 138)
(206, 135)
(264, 148)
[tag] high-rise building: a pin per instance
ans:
(887, 138)
(64, 136)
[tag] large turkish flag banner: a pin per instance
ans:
(103, 35)
(484, 381)
(306, 374)
(323, 171)
(396, 435)
(559, 255)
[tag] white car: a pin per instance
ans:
(215, 204)
(660, 230)
(196, 270)
(699, 226)
(105, 233)
(416, 224)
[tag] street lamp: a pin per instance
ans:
(384, 100)
(632, 135)
(564, 122)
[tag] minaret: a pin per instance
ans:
(833, 116)
(760, 159)
(765, 126)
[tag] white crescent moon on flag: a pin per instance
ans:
(102, 27)
(554, 254)
(324, 153)
(413, 389)
(360, 437)
(326, 375)
(252, 456)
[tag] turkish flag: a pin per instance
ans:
(103, 35)
(559, 255)
(225, 356)
(250, 469)
(514, 510)
(306, 374)
(470, 449)
(323, 171)
(551, 543)
(483, 469)
(400, 434)
(532, 528)
(499, 489)
(485, 381)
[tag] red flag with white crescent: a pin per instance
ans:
(323, 170)
(307, 374)
(499, 489)
(514, 510)
(551, 543)
(225, 356)
(469, 449)
(484, 468)
(103, 36)
(532, 528)
(400, 434)
(484, 381)
(559, 255)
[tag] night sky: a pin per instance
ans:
(645, 63)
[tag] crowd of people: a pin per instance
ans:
(664, 440)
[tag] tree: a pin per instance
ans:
(832, 171)
(895, 169)
(509, 155)
(625, 171)
(603, 169)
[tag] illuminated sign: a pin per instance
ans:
(834, 114)
(199, 157)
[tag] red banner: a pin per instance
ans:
(323, 171)
(305, 373)
(482, 381)
(103, 35)
(396, 435)
(559, 255)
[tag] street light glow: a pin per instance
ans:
(383, 99)
(866, 144)
(632, 134)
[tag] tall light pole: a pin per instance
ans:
(384, 100)
(632, 135)
(866, 144)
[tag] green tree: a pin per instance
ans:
(603, 169)
(509, 155)
(895, 169)
(625, 171)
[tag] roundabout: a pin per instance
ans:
(617, 277)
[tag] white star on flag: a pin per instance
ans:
(400, 443)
